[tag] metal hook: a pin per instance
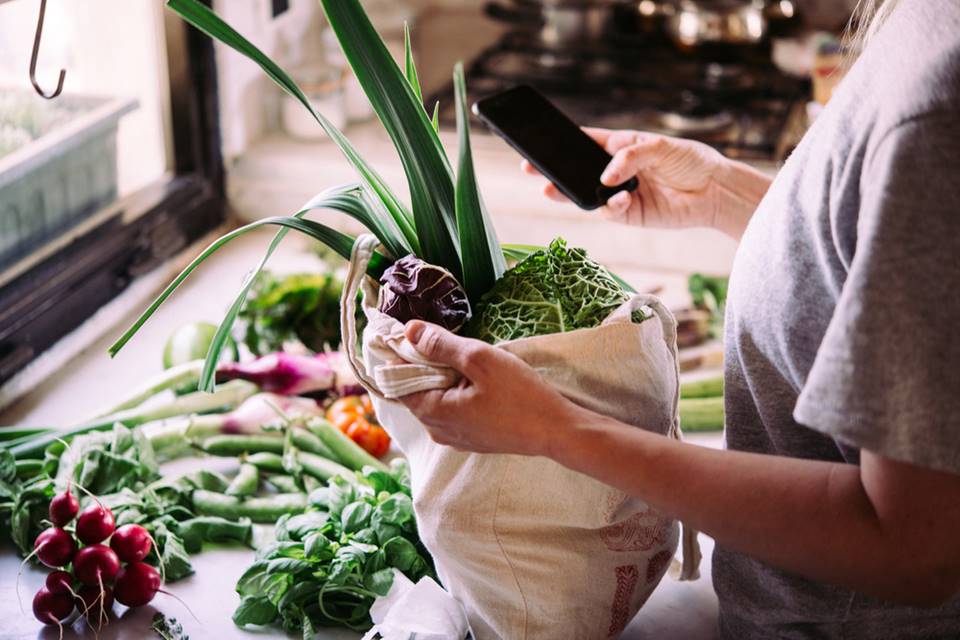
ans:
(33, 59)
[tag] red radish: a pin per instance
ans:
(131, 542)
(55, 547)
(96, 564)
(95, 524)
(60, 582)
(95, 604)
(136, 584)
(63, 508)
(51, 608)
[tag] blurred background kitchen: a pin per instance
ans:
(159, 139)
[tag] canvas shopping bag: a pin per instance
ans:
(530, 548)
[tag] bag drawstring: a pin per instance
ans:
(360, 256)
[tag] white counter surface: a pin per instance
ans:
(675, 610)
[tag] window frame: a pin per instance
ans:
(56, 295)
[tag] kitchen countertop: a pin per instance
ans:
(284, 173)
(675, 610)
(89, 381)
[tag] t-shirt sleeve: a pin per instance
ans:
(886, 377)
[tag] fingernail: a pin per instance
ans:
(609, 176)
(414, 331)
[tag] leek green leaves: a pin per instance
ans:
(447, 224)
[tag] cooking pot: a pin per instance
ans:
(689, 23)
(692, 23)
(559, 22)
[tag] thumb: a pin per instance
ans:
(441, 346)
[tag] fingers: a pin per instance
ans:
(528, 168)
(551, 191)
(424, 403)
(633, 158)
(439, 345)
(617, 208)
(600, 136)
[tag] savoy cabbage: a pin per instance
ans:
(552, 290)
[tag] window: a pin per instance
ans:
(113, 176)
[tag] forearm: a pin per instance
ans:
(739, 189)
(812, 518)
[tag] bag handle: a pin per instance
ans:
(360, 257)
(391, 380)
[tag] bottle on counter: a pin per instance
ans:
(324, 86)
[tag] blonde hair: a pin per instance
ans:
(867, 18)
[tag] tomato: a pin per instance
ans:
(342, 412)
(354, 416)
(371, 437)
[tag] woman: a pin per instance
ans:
(836, 508)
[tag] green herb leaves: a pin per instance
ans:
(327, 566)
(168, 628)
(552, 290)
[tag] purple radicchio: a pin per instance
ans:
(416, 290)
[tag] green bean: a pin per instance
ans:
(322, 468)
(210, 480)
(347, 451)
(306, 441)
(320, 498)
(28, 468)
(310, 483)
(284, 483)
(245, 482)
(266, 461)
(263, 510)
(232, 445)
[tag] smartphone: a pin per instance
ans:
(552, 142)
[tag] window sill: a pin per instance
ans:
(77, 378)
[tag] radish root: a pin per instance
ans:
(160, 562)
(178, 599)
(20, 573)
(89, 494)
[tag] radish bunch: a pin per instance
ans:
(109, 564)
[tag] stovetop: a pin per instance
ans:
(734, 99)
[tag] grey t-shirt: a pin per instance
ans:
(843, 312)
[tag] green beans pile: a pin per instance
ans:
(278, 469)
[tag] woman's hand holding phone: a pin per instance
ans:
(681, 183)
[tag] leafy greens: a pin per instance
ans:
(300, 306)
(329, 563)
(552, 290)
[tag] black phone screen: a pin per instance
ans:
(552, 143)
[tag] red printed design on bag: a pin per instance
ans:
(614, 500)
(657, 564)
(627, 578)
(640, 532)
